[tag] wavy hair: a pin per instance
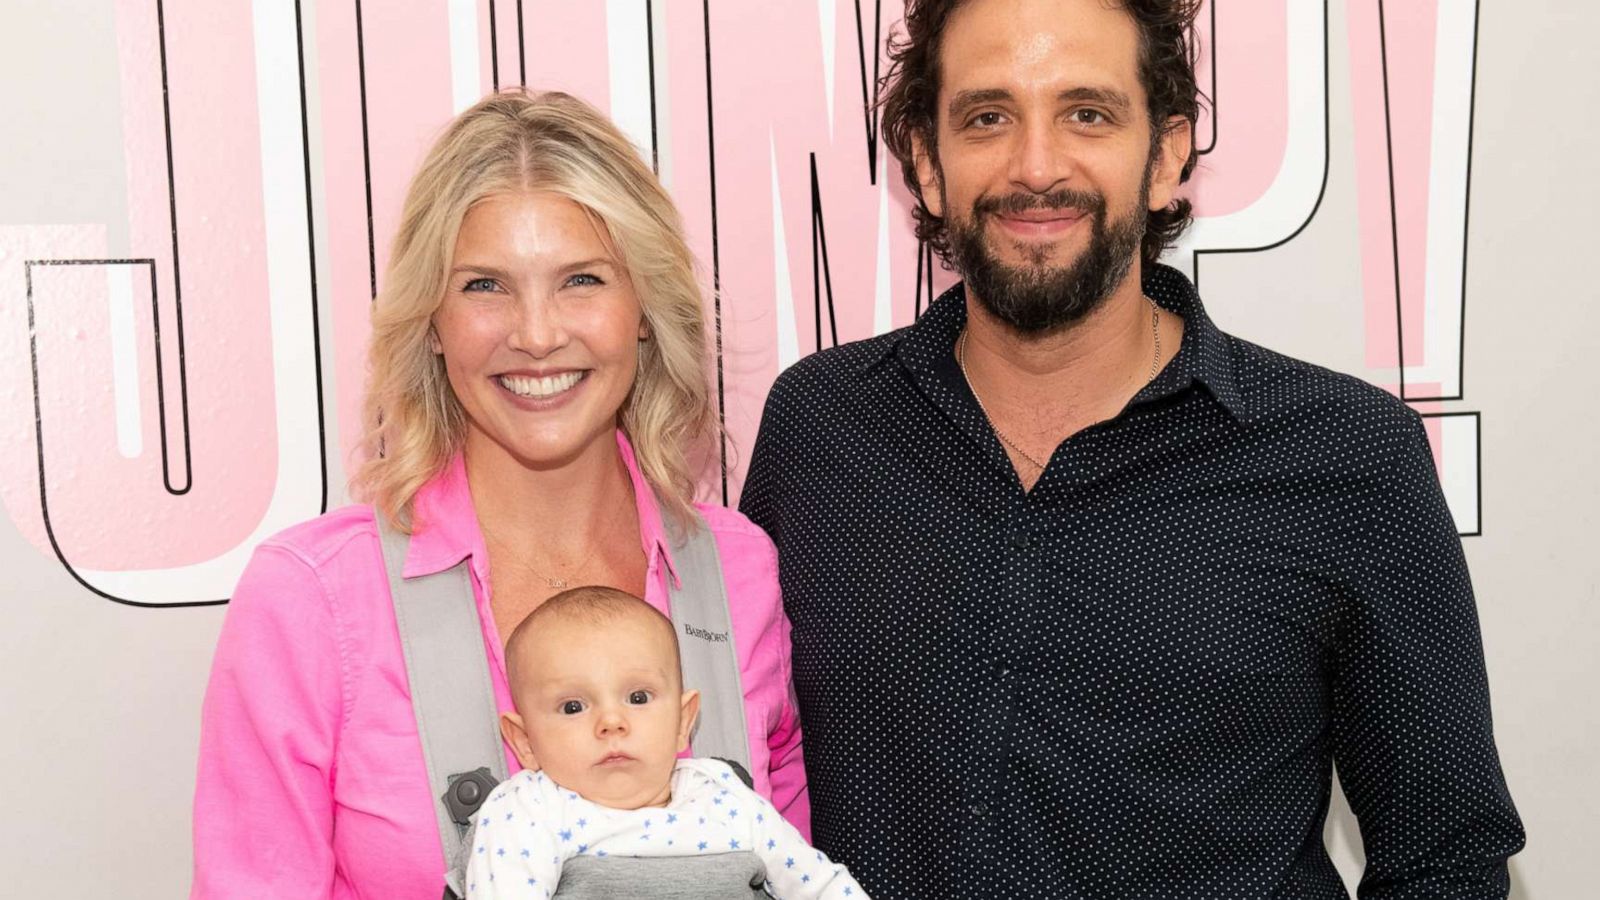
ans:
(512, 141)
(1168, 48)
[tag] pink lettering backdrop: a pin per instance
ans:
(193, 372)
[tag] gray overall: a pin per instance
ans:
(453, 699)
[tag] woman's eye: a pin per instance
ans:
(584, 279)
(479, 284)
(639, 698)
(571, 707)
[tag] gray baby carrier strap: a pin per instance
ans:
(452, 695)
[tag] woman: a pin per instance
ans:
(537, 387)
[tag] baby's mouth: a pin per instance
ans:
(615, 758)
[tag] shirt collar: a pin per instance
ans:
(1205, 356)
(445, 523)
(652, 530)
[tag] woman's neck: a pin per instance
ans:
(568, 505)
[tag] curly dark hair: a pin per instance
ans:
(1167, 51)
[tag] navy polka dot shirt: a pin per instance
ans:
(1135, 680)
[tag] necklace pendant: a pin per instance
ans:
(559, 584)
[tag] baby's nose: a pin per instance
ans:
(613, 722)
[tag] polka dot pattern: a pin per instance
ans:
(1133, 681)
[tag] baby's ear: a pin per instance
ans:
(517, 737)
(688, 715)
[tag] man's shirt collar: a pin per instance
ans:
(445, 523)
(1206, 355)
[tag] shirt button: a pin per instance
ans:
(979, 809)
(1020, 539)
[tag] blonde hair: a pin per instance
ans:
(518, 140)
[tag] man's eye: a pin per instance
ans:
(639, 698)
(1088, 117)
(571, 707)
(986, 120)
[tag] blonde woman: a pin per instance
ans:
(537, 388)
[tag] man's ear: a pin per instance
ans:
(688, 715)
(517, 737)
(1172, 154)
(927, 176)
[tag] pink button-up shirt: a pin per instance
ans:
(311, 781)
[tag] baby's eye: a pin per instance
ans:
(571, 707)
(639, 698)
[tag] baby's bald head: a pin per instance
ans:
(594, 607)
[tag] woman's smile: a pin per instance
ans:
(544, 388)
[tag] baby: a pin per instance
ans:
(601, 718)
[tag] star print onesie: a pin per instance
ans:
(529, 826)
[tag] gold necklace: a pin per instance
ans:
(555, 583)
(961, 362)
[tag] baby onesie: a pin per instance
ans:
(529, 826)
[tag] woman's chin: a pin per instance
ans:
(553, 448)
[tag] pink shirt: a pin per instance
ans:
(311, 781)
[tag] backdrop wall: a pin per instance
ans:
(196, 204)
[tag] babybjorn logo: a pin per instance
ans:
(703, 634)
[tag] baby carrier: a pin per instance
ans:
(457, 720)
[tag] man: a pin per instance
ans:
(1089, 597)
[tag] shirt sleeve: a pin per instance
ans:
(1413, 739)
(760, 500)
(517, 845)
(788, 769)
(263, 811)
(795, 869)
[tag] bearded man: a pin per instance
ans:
(1088, 596)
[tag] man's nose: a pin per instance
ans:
(1042, 159)
(539, 329)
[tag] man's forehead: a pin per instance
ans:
(1029, 46)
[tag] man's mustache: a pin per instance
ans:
(1084, 202)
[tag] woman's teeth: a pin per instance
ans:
(539, 388)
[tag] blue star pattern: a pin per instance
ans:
(528, 854)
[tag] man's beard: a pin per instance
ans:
(1039, 298)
